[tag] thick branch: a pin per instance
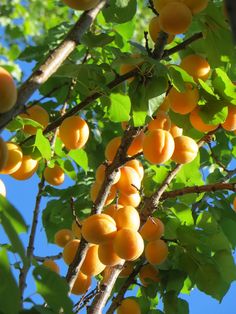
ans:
(52, 63)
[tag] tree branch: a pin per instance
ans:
(44, 258)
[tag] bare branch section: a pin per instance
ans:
(52, 63)
(44, 258)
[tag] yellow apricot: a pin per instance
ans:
(111, 209)
(27, 168)
(129, 182)
(175, 18)
(3, 191)
(38, 114)
(74, 132)
(82, 5)
(128, 244)
(8, 91)
(137, 166)
(196, 66)
(95, 188)
(153, 229)
(107, 254)
(70, 250)
(98, 228)
(161, 121)
(52, 265)
(54, 176)
(158, 146)
(129, 306)
(196, 6)
(184, 102)
(136, 145)
(156, 252)
(129, 199)
(198, 123)
(148, 274)
(100, 174)
(155, 29)
(81, 284)
(175, 130)
(127, 217)
(127, 269)
(62, 237)
(92, 266)
(3, 153)
(14, 158)
(230, 122)
(76, 230)
(159, 4)
(186, 150)
(112, 148)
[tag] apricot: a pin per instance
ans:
(52, 265)
(8, 91)
(153, 229)
(98, 228)
(234, 204)
(198, 123)
(155, 29)
(175, 18)
(137, 166)
(175, 130)
(129, 199)
(196, 6)
(127, 217)
(136, 145)
(127, 67)
(196, 66)
(111, 209)
(148, 274)
(183, 102)
(38, 114)
(74, 132)
(82, 5)
(159, 4)
(128, 244)
(62, 237)
(129, 306)
(76, 230)
(158, 146)
(230, 122)
(70, 250)
(100, 174)
(82, 284)
(95, 188)
(127, 269)
(54, 176)
(107, 254)
(129, 182)
(112, 148)
(3, 191)
(161, 121)
(3, 153)
(92, 266)
(186, 150)
(27, 168)
(14, 158)
(156, 252)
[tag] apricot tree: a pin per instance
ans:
(134, 101)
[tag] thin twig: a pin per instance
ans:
(44, 258)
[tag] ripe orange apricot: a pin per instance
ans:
(112, 148)
(81, 284)
(27, 168)
(111, 209)
(196, 6)
(127, 269)
(198, 123)
(128, 244)
(127, 217)
(100, 174)
(158, 146)
(137, 166)
(156, 252)
(38, 114)
(184, 102)
(98, 228)
(155, 29)
(136, 145)
(82, 5)
(161, 121)
(129, 306)
(62, 237)
(175, 130)
(8, 91)
(107, 254)
(95, 188)
(3, 153)
(54, 176)
(92, 266)
(175, 18)
(186, 150)
(76, 230)
(14, 158)
(70, 250)
(74, 132)
(230, 122)
(129, 199)
(159, 4)
(3, 191)
(148, 274)
(52, 265)
(153, 229)
(196, 66)
(129, 182)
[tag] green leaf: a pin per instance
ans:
(119, 108)
(53, 288)
(184, 213)
(43, 145)
(92, 40)
(174, 305)
(224, 86)
(179, 78)
(120, 11)
(80, 157)
(226, 265)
